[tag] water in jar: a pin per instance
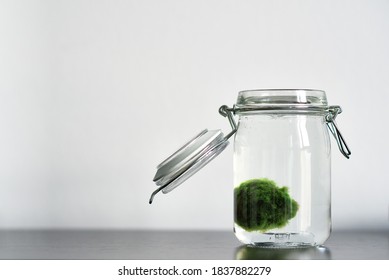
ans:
(293, 151)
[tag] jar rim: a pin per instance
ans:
(281, 99)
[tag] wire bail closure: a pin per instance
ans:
(225, 111)
(333, 112)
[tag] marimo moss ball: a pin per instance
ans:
(260, 205)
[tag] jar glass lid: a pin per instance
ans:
(189, 159)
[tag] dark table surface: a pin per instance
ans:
(139, 245)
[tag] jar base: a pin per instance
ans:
(286, 245)
(281, 240)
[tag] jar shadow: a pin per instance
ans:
(248, 252)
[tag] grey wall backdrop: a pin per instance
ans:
(94, 94)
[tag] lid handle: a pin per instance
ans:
(333, 111)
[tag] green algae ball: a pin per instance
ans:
(260, 205)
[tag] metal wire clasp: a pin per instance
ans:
(225, 111)
(333, 111)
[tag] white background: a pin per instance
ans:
(94, 94)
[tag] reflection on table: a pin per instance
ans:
(247, 252)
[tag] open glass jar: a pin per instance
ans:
(282, 165)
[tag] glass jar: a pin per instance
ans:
(282, 165)
(282, 168)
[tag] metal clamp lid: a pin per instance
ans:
(191, 157)
(208, 144)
